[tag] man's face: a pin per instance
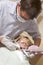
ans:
(24, 15)
(23, 42)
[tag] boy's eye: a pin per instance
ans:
(24, 43)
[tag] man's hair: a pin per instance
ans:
(32, 7)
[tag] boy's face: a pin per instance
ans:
(24, 43)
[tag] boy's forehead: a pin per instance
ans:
(24, 39)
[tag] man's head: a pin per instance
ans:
(30, 8)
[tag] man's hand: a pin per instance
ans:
(37, 41)
(1, 38)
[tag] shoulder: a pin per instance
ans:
(34, 23)
(8, 6)
(8, 3)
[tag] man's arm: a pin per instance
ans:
(34, 32)
(8, 43)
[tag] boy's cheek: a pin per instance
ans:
(25, 47)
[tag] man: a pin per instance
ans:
(16, 17)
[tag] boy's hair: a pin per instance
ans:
(25, 35)
(32, 7)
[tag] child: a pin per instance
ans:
(24, 40)
(25, 43)
(20, 45)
